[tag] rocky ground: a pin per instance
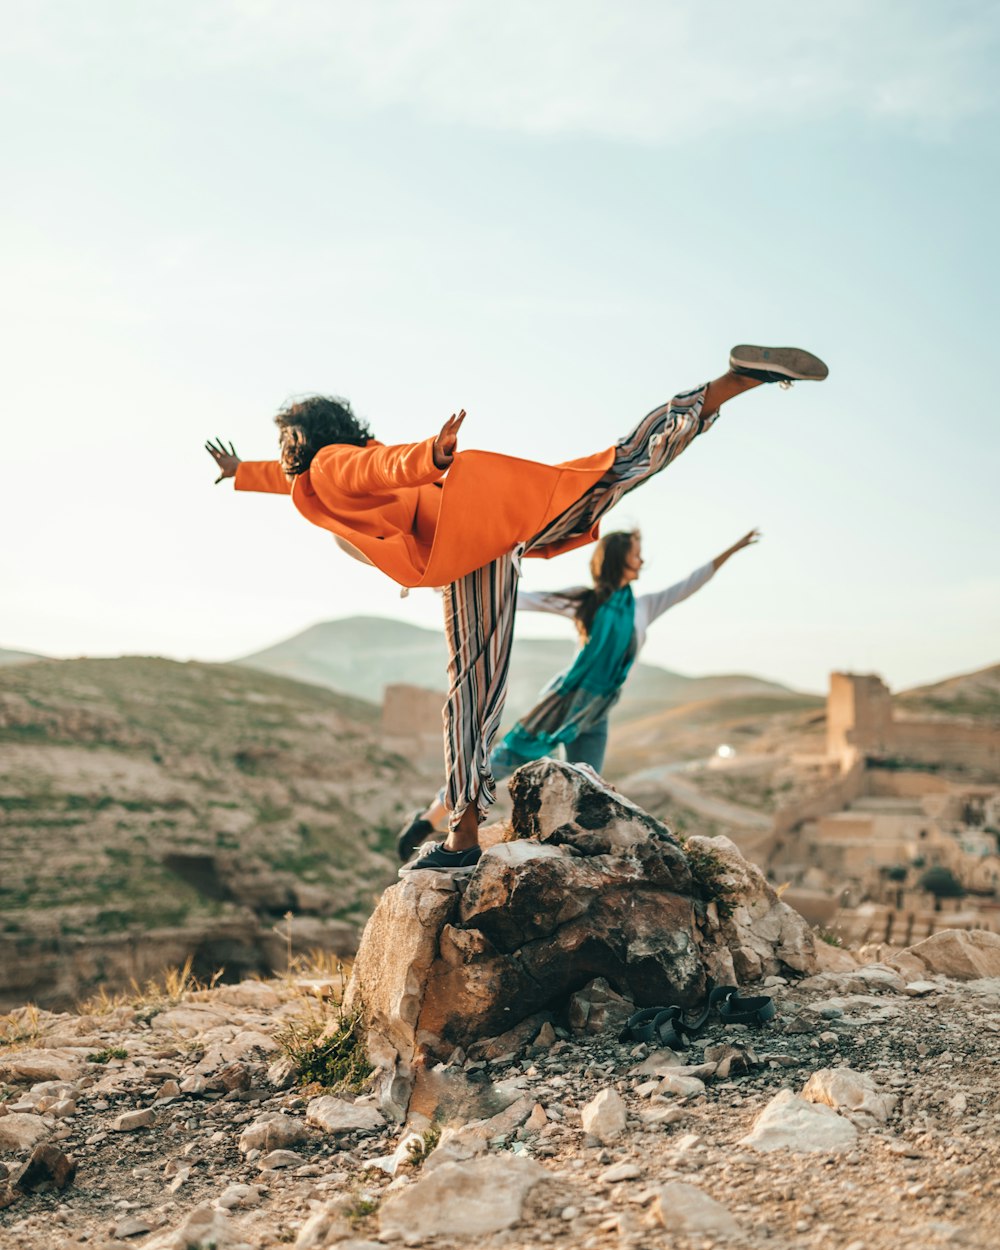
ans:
(185, 1126)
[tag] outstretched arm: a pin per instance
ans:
(558, 602)
(665, 599)
(262, 475)
(375, 469)
(745, 541)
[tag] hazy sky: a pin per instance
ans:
(554, 215)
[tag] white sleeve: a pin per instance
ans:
(559, 602)
(656, 604)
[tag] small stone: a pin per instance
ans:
(336, 1115)
(238, 1196)
(661, 1115)
(546, 1036)
(280, 1159)
(686, 1143)
(681, 1086)
(232, 1076)
(604, 1116)
(48, 1166)
(462, 1200)
(282, 1073)
(19, 1131)
(687, 1209)
(131, 1226)
(920, 989)
(272, 1131)
(180, 1177)
(133, 1120)
(620, 1172)
(169, 1089)
(537, 1120)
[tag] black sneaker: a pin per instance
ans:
(436, 859)
(415, 831)
(777, 364)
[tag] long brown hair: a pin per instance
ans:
(607, 568)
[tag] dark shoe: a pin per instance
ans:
(436, 859)
(415, 831)
(777, 364)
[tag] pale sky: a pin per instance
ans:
(554, 215)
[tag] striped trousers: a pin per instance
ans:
(479, 608)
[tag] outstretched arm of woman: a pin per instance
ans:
(261, 475)
(375, 469)
(745, 541)
(657, 604)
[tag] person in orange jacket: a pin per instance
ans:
(427, 514)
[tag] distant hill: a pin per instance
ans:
(974, 694)
(17, 657)
(696, 729)
(360, 655)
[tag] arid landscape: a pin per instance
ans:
(154, 811)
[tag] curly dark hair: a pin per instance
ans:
(315, 422)
(607, 567)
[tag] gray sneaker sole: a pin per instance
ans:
(790, 362)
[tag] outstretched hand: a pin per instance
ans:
(753, 537)
(447, 441)
(226, 459)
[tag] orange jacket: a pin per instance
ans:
(421, 526)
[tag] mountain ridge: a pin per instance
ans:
(360, 655)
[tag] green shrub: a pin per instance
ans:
(106, 1055)
(333, 1058)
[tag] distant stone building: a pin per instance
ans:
(412, 723)
(862, 724)
(900, 793)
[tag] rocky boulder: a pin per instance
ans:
(590, 886)
(962, 954)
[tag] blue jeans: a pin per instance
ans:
(586, 748)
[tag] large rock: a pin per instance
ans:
(204, 1228)
(854, 1094)
(47, 1166)
(684, 1208)
(462, 1200)
(41, 1065)
(756, 934)
(962, 954)
(792, 1123)
(21, 1131)
(591, 887)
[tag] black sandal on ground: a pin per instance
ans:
(666, 1026)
